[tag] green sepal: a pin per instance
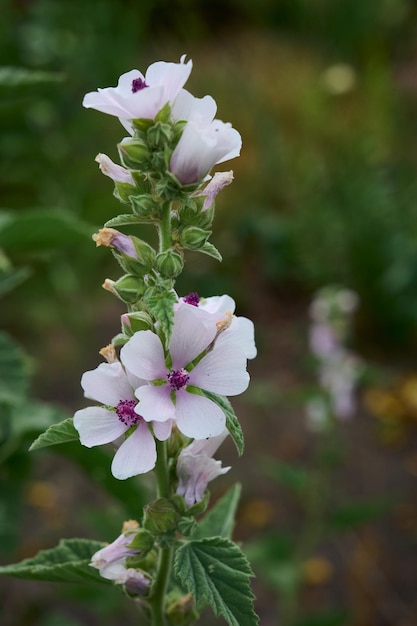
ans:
(123, 191)
(141, 181)
(145, 207)
(129, 264)
(181, 610)
(141, 125)
(145, 253)
(142, 540)
(159, 135)
(129, 288)
(138, 320)
(193, 237)
(134, 154)
(168, 187)
(186, 525)
(120, 339)
(210, 250)
(169, 263)
(164, 114)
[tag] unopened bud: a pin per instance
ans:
(159, 135)
(161, 516)
(129, 288)
(169, 263)
(144, 206)
(133, 322)
(134, 154)
(193, 237)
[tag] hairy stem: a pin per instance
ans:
(159, 588)
(165, 228)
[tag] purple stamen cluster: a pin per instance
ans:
(193, 298)
(138, 84)
(178, 379)
(126, 412)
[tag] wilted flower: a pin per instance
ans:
(112, 170)
(196, 468)
(115, 239)
(113, 386)
(141, 96)
(199, 359)
(216, 184)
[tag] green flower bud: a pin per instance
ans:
(169, 263)
(193, 237)
(186, 525)
(123, 191)
(129, 288)
(145, 253)
(160, 517)
(142, 540)
(134, 154)
(144, 206)
(159, 135)
(133, 322)
(181, 611)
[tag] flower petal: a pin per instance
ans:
(136, 455)
(244, 333)
(107, 384)
(155, 403)
(143, 355)
(172, 76)
(198, 417)
(189, 108)
(162, 430)
(97, 426)
(192, 334)
(223, 370)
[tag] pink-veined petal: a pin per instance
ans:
(192, 333)
(136, 455)
(143, 355)
(223, 370)
(107, 384)
(162, 430)
(97, 425)
(155, 403)
(188, 107)
(198, 417)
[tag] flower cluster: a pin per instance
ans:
(338, 368)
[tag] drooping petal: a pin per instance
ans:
(107, 384)
(194, 473)
(136, 455)
(97, 425)
(162, 430)
(217, 183)
(192, 333)
(223, 370)
(143, 355)
(155, 403)
(198, 417)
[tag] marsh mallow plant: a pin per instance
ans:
(160, 394)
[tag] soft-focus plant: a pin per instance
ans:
(162, 397)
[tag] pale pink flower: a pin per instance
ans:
(112, 170)
(202, 146)
(172, 390)
(196, 468)
(216, 184)
(111, 385)
(115, 239)
(141, 96)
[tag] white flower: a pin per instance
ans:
(202, 146)
(141, 96)
(111, 385)
(196, 468)
(216, 184)
(172, 391)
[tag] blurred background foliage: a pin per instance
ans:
(324, 94)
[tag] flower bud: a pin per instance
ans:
(169, 263)
(129, 288)
(161, 516)
(144, 206)
(144, 253)
(133, 322)
(134, 154)
(181, 611)
(142, 541)
(193, 237)
(159, 135)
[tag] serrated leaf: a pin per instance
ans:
(67, 562)
(123, 220)
(211, 250)
(14, 375)
(232, 423)
(216, 572)
(58, 433)
(220, 520)
(161, 306)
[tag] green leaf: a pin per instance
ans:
(211, 250)
(67, 562)
(13, 278)
(39, 230)
(232, 423)
(356, 513)
(123, 220)
(220, 520)
(58, 433)
(216, 572)
(14, 374)
(160, 305)
(31, 417)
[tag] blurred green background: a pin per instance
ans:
(324, 93)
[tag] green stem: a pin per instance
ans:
(165, 228)
(159, 588)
